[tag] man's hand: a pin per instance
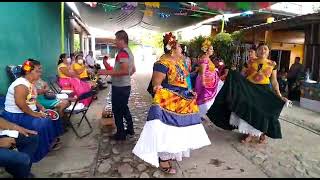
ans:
(7, 142)
(24, 131)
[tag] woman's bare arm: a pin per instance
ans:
(157, 78)
(20, 95)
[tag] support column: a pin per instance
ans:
(93, 45)
(81, 41)
(86, 46)
(62, 26)
(71, 30)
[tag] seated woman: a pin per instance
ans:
(43, 88)
(68, 79)
(80, 69)
(22, 108)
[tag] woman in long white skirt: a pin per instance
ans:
(173, 126)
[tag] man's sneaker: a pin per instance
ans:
(130, 134)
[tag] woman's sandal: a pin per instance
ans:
(246, 139)
(56, 146)
(168, 170)
(263, 139)
(58, 141)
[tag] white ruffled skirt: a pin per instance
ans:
(169, 142)
(243, 126)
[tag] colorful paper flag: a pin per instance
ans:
(217, 5)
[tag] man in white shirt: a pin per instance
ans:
(90, 62)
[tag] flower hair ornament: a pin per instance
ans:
(170, 40)
(205, 45)
(27, 66)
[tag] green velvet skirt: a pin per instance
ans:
(255, 104)
(46, 103)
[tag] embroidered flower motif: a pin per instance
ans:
(258, 77)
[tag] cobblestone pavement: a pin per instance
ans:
(296, 155)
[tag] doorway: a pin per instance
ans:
(282, 58)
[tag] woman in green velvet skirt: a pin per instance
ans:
(248, 103)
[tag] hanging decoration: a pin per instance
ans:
(246, 14)
(263, 5)
(148, 12)
(217, 5)
(181, 13)
(171, 5)
(194, 6)
(91, 4)
(109, 7)
(128, 7)
(164, 15)
(243, 6)
(152, 4)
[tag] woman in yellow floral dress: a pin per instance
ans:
(248, 103)
(173, 126)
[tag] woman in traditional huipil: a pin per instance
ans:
(248, 103)
(173, 126)
(208, 82)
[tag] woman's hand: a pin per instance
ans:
(40, 114)
(156, 88)
(194, 94)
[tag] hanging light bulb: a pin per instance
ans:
(270, 20)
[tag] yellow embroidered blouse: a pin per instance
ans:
(177, 73)
(260, 72)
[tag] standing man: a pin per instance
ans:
(90, 62)
(295, 71)
(121, 86)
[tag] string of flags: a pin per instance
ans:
(179, 9)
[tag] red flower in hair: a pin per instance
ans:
(170, 41)
(27, 66)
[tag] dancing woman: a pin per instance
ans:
(173, 126)
(208, 82)
(248, 103)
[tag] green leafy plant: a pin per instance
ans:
(194, 46)
(223, 45)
